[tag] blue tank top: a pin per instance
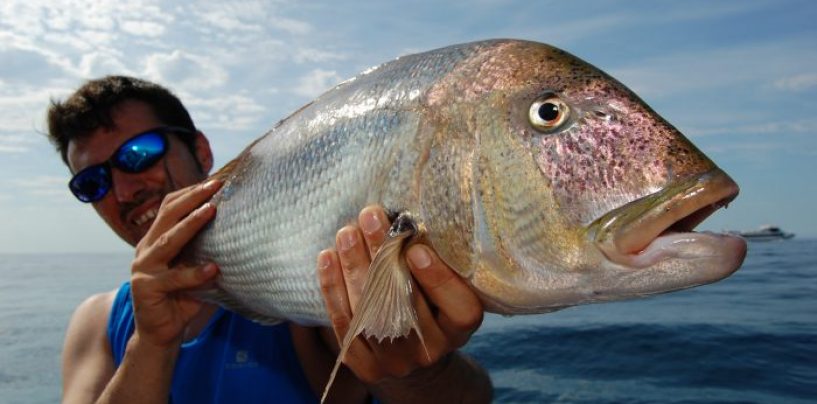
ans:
(233, 360)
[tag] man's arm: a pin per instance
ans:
(161, 313)
(87, 362)
(456, 378)
(448, 313)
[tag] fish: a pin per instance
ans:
(539, 179)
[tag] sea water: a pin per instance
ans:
(751, 338)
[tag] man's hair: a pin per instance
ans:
(90, 108)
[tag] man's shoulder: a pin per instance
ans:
(94, 310)
(86, 331)
(87, 363)
(98, 300)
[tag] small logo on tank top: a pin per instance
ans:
(241, 360)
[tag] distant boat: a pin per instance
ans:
(764, 233)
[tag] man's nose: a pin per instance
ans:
(126, 185)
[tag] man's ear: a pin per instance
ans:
(203, 153)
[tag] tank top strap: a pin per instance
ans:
(120, 323)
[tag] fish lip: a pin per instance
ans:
(675, 215)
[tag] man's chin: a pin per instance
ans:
(133, 233)
(142, 229)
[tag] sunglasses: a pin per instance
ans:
(136, 155)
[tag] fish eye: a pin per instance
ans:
(548, 113)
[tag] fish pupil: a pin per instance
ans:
(549, 111)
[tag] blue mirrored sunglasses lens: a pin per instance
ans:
(140, 152)
(91, 184)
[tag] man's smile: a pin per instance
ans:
(145, 217)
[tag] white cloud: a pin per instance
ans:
(22, 17)
(57, 19)
(185, 70)
(18, 143)
(5, 148)
(752, 66)
(796, 83)
(599, 18)
(95, 16)
(42, 185)
(225, 22)
(22, 110)
(229, 112)
(82, 38)
(66, 42)
(247, 16)
(759, 153)
(291, 26)
(316, 82)
(100, 63)
(684, 12)
(304, 55)
(571, 31)
(143, 28)
(803, 126)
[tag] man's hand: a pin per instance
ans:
(448, 310)
(161, 311)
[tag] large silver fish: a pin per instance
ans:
(541, 180)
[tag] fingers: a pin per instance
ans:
(160, 312)
(169, 244)
(374, 223)
(336, 299)
(334, 292)
(180, 278)
(343, 274)
(179, 204)
(185, 278)
(448, 311)
(354, 261)
(460, 310)
(403, 355)
(180, 218)
(356, 245)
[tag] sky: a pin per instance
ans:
(738, 78)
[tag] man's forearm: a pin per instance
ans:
(144, 376)
(456, 378)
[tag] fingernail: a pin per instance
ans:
(210, 185)
(348, 238)
(419, 257)
(324, 260)
(370, 223)
(208, 269)
(202, 210)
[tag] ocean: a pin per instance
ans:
(751, 338)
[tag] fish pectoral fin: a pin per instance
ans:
(385, 309)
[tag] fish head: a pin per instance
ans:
(579, 191)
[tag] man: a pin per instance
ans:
(138, 158)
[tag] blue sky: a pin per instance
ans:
(739, 78)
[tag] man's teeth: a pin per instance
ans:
(146, 216)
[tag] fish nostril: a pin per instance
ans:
(601, 114)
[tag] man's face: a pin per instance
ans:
(131, 205)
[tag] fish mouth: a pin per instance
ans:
(660, 225)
